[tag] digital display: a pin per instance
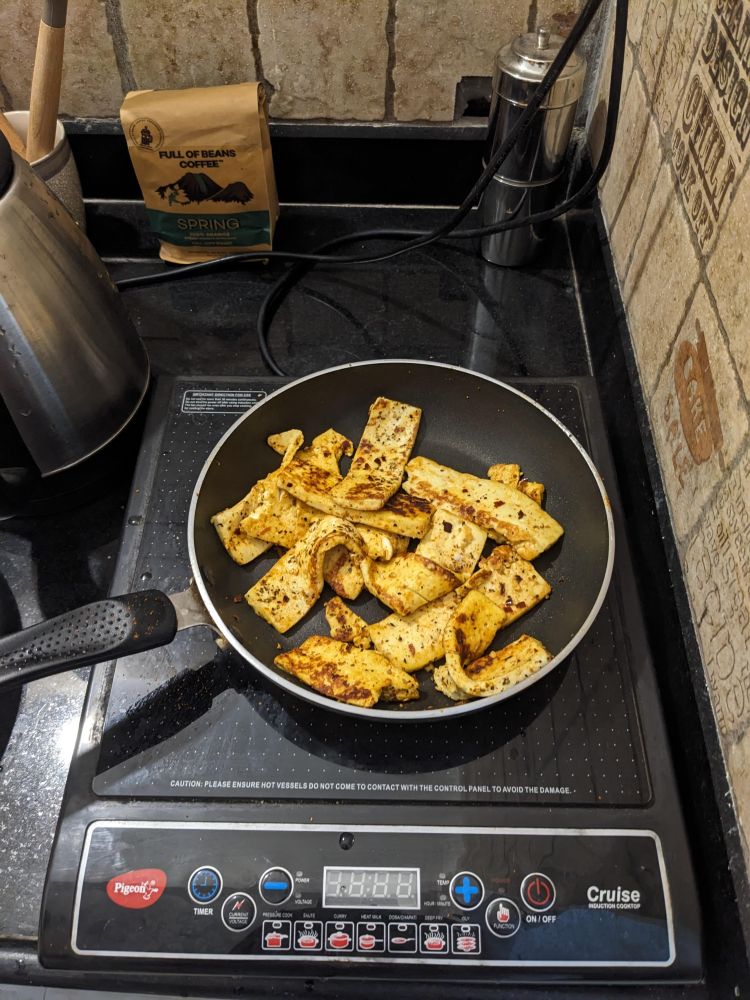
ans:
(371, 888)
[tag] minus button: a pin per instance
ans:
(276, 886)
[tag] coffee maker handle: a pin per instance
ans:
(104, 630)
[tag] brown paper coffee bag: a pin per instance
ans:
(203, 160)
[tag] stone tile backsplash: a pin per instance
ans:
(676, 200)
(355, 60)
(438, 43)
(91, 77)
(161, 43)
(324, 58)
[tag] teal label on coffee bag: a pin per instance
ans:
(225, 229)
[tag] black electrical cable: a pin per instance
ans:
(422, 238)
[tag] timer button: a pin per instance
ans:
(276, 886)
(538, 892)
(204, 885)
(503, 917)
(466, 890)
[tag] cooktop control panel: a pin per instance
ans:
(494, 896)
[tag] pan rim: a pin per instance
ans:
(405, 715)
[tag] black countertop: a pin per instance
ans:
(443, 303)
(560, 317)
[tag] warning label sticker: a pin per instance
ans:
(220, 400)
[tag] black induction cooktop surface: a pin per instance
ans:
(190, 720)
(211, 819)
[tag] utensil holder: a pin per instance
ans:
(57, 169)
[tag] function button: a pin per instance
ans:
(308, 935)
(466, 890)
(276, 886)
(277, 935)
(466, 939)
(204, 885)
(339, 935)
(538, 892)
(370, 937)
(433, 939)
(402, 938)
(503, 917)
(238, 911)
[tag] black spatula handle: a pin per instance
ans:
(96, 632)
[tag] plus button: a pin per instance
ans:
(466, 890)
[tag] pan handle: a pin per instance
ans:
(96, 632)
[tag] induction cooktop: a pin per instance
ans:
(214, 823)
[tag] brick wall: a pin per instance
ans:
(365, 60)
(676, 200)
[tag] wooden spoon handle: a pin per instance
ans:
(45, 91)
(14, 139)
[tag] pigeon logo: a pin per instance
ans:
(137, 889)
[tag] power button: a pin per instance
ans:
(538, 892)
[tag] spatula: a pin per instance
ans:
(45, 82)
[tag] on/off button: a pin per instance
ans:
(538, 892)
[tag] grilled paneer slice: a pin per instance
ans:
(511, 582)
(453, 543)
(382, 545)
(499, 670)
(401, 515)
(325, 451)
(407, 581)
(505, 472)
(345, 625)
(534, 491)
(416, 640)
(347, 673)
(243, 548)
(505, 667)
(470, 630)
(342, 573)
(381, 456)
(242, 545)
(511, 476)
(315, 470)
(504, 512)
(290, 588)
(281, 519)
(286, 444)
(277, 517)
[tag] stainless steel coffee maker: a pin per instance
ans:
(73, 370)
(526, 182)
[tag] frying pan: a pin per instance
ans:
(469, 422)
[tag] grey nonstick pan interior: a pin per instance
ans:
(468, 422)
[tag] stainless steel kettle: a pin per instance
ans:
(73, 369)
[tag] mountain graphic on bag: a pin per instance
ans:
(203, 161)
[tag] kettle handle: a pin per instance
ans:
(91, 634)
